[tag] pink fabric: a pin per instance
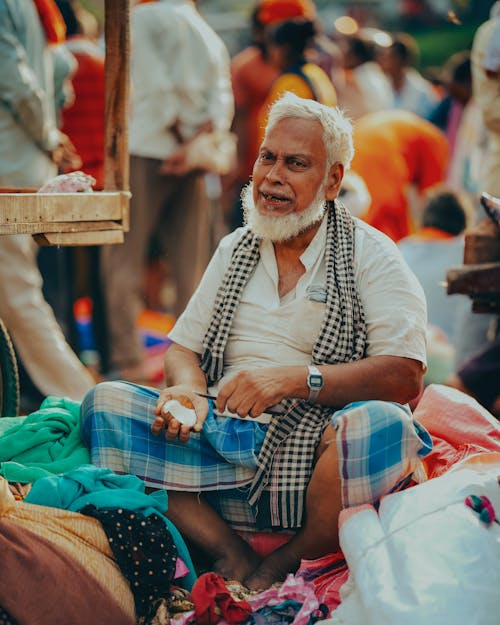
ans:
(327, 574)
(459, 426)
(75, 182)
(181, 570)
(292, 588)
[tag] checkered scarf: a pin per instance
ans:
(286, 459)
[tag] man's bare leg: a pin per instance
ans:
(198, 522)
(319, 535)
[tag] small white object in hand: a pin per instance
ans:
(183, 415)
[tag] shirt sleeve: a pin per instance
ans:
(20, 91)
(393, 300)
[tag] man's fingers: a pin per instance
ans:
(157, 425)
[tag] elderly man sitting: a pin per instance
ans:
(305, 307)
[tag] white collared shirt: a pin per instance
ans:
(269, 331)
(180, 71)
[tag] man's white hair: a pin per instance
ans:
(337, 128)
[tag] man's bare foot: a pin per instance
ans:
(274, 568)
(237, 564)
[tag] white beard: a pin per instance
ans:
(281, 228)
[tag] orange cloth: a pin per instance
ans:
(393, 150)
(252, 77)
(52, 20)
(273, 11)
(83, 121)
(323, 86)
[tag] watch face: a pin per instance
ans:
(315, 381)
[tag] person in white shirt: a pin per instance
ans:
(181, 86)
(411, 91)
(32, 150)
(366, 88)
(306, 312)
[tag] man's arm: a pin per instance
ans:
(388, 378)
(183, 378)
(20, 90)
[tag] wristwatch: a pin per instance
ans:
(314, 382)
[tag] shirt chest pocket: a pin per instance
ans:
(306, 323)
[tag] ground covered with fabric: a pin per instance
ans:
(427, 554)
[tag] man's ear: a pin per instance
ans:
(334, 181)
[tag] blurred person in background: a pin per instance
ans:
(83, 120)
(480, 330)
(457, 82)
(436, 246)
(399, 155)
(486, 92)
(366, 88)
(31, 151)
(252, 76)
(411, 91)
(287, 43)
(181, 87)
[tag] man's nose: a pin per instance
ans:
(276, 172)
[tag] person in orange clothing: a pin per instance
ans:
(83, 121)
(287, 45)
(396, 151)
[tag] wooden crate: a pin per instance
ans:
(87, 218)
(479, 276)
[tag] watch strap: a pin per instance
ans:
(314, 382)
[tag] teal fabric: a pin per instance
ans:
(45, 443)
(105, 489)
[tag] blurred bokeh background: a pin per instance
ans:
(440, 27)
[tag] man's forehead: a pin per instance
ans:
(294, 134)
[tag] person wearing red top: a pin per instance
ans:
(83, 121)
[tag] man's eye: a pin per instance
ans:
(266, 157)
(298, 164)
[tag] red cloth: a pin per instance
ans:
(83, 121)
(213, 601)
(273, 11)
(52, 20)
(460, 427)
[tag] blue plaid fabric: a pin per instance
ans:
(116, 425)
(379, 448)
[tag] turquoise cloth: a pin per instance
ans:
(105, 489)
(45, 443)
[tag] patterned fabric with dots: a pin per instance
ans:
(6, 619)
(144, 550)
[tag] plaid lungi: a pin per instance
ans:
(379, 447)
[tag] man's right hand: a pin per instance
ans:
(65, 155)
(172, 428)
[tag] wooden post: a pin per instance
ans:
(117, 38)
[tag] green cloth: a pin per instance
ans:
(45, 443)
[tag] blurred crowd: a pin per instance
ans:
(427, 143)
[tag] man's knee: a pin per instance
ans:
(379, 448)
